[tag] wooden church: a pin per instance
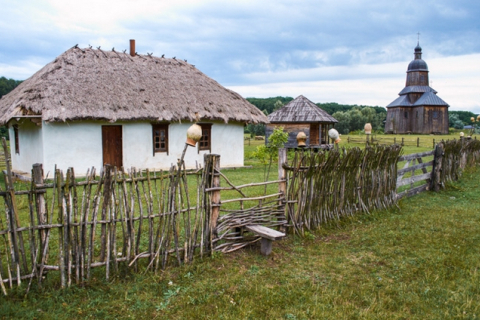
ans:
(418, 109)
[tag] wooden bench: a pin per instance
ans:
(268, 235)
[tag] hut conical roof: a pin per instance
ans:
(107, 85)
(301, 110)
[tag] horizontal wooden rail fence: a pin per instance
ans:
(409, 169)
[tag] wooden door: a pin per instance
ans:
(112, 145)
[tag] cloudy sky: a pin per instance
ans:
(345, 51)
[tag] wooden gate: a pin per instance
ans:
(112, 146)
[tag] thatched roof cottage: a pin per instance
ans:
(301, 114)
(90, 107)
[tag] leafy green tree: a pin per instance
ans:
(464, 116)
(255, 129)
(6, 85)
(357, 120)
(268, 104)
(267, 153)
(277, 105)
(454, 121)
(343, 125)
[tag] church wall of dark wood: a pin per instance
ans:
(417, 78)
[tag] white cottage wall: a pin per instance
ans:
(30, 145)
(227, 140)
(79, 145)
(72, 144)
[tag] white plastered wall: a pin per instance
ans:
(227, 140)
(72, 144)
(79, 145)
(30, 145)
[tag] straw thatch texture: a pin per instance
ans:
(301, 110)
(95, 84)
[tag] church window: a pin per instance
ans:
(405, 114)
(435, 114)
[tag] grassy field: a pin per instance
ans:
(418, 261)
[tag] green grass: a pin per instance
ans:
(416, 262)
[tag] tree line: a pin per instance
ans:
(350, 117)
(6, 85)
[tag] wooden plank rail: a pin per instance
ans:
(414, 179)
(415, 167)
(416, 155)
(411, 167)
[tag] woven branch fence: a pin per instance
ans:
(328, 185)
(117, 220)
(103, 221)
(141, 220)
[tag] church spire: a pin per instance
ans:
(418, 49)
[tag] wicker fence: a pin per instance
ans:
(141, 220)
(326, 185)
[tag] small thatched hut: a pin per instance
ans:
(303, 115)
(91, 107)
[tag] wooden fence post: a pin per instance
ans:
(418, 142)
(282, 175)
(37, 176)
(17, 249)
(433, 143)
(212, 164)
(106, 202)
(437, 167)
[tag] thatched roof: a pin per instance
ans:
(107, 85)
(300, 110)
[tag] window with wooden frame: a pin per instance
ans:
(160, 138)
(314, 134)
(205, 142)
(17, 143)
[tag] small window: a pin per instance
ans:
(406, 114)
(206, 140)
(160, 138)
(17, 144)
(435, 114)
(417, 114)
